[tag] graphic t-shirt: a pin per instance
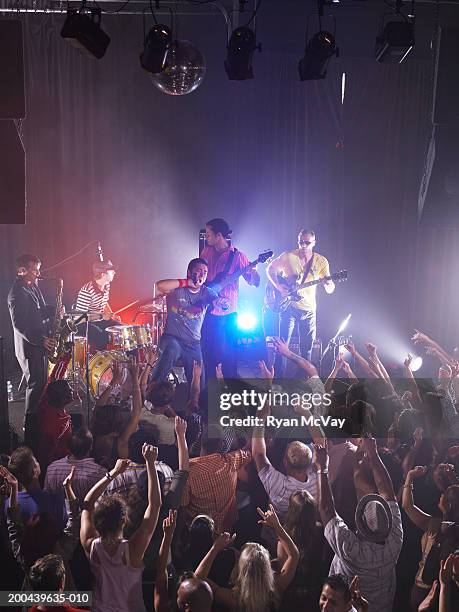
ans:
(186, 311)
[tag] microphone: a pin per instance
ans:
(101, 255)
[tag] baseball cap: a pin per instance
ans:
(102, 266)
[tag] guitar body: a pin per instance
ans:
(278, 304)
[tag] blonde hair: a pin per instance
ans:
(254, 585)
(298, 455)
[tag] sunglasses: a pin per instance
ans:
(305, 242)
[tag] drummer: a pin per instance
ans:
(93, 298)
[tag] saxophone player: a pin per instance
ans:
(30, 317)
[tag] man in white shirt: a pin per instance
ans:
(372, 552)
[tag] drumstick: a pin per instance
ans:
(125, 307)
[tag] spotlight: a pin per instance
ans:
(238, 64)
(394, 41)
(155, 47)
(84, 32)
(319, 49)
(344, 323)
(416, 364)
(246, 321)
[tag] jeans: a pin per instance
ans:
(306, 320)
(219, 344)
(172, 349)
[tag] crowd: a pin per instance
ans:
(150, 510)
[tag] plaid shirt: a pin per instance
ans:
(87, 473)
(125, 482)
(211, 487)
(373, 563)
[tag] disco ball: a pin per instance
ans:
(184, 69)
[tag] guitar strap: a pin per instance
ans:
(307, 269)
(229, 263)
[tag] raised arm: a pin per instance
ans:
(258, 433)
(87, 530)
(420, 519)
(223, 541)
(183, 455)
(136, 410)
(326, 503)
(195, 388)
(363, 363)
(140, 539)
(380, 473)
(410, 378)
(161, 597)
(287, 572)
(117, 379)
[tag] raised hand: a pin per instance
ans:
(69, 479)
(9, 477)
(266, 372)
(417, 435)
(180, 426)
(121, 466)
(351, 348)
(224, 540)
(408, 360)
(358, 600)
(446, 570)
(150, 453)
(133, 369)
(169, 524)
(219, 372)
(320, 456)
(339, 361)
(281, 346)
(417, 472)
(420, 338)
(197, 369)
(371, 348)
(269, 517)
(368, 445)
(117, 373)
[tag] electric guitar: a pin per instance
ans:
(278, 303)
(222, 279)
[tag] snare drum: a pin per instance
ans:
(122, 337)
(100, 370)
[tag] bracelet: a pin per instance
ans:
(408, 486)
(148, 365)
(183, 282)
(108, 476)
(322, 471)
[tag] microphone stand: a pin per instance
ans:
(85, 317)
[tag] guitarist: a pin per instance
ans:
(219, 329)
(299, 266)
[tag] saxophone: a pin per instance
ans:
(61, 329)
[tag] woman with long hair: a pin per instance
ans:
(256, 587)
(117, 563)
(301, 524)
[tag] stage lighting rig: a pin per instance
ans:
(155, 46)
(320, 48)
(83, 31)
(241, 46)
(395, 37)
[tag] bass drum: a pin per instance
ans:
(100, 370)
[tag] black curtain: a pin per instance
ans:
(110, 158)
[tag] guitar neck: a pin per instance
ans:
(227, 280)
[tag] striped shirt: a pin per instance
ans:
(280, 487)
(87, 473)
(92, 299)
(373, 563)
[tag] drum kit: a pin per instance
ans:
(93, 370)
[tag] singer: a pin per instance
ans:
(187, 302)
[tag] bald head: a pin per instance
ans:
(194, 595)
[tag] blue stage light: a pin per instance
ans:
(246, 321)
